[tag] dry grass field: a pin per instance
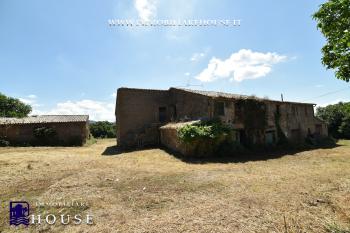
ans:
(153, 191)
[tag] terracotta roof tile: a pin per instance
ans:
(44, 119)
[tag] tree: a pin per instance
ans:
(12, 107)
(344, 128)
(103, 129)
(337, 116)
(333, 19)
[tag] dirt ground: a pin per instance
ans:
(153, 191)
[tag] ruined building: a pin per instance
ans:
(140, 113)
(46, 130)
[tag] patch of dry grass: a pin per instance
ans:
(152, 191)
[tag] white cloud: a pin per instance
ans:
(32, 96)
(245, 64)
(147, 9)
(187, 74)
(324, 104)
(30, 99)
(95, 109)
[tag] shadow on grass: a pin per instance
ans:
(247, 156)
(116, 150)
(239, 157)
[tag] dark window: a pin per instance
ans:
(162, 114)
(219, 109)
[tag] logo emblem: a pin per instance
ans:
(19, 213)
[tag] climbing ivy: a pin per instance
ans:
(203, 130)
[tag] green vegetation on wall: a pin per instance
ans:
(206, 137)
(44, 132)
(45, 136)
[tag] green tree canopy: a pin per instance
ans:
(337, 116)
(12, 107)
(103, 129)
(333, 19)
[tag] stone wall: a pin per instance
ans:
(67, 134)
(137, 116)
(190, 106)
(170, 139)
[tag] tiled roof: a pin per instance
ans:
(216, 94)
(44, 119)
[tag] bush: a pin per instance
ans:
(4, 143)
(207, 138)
(44, 132)
(103, 129)
(204, 130)
(46, 136)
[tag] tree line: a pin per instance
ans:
(337, 117)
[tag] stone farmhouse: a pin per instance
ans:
(46, 130)
(142, 116)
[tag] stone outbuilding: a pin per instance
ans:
(141, 113)
(46, 130)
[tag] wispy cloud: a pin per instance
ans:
(30, 99)
(146, 9)
(199, 55)
(242, 65)
(319, 85)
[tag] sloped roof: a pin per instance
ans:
(216, 94)
(44, 119)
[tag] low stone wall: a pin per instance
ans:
(170, 139)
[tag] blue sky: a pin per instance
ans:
(63, 57)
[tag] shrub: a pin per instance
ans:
(45, 136)
(4, 143)
(103, 129)
(44, 132)
(207, 137)
(209, 130)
